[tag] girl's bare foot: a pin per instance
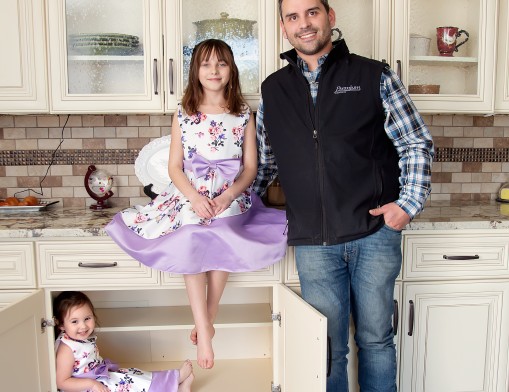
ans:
(185, 386)
(185, 370)
(194, 336)
(205, 351)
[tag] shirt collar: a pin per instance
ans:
(304, 66)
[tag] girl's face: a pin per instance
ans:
(214, 74)
(79, 323)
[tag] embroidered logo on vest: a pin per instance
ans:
(346, 89)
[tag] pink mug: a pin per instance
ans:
(446, 39)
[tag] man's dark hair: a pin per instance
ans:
(280, 2)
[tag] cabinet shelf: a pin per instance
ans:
(442, 60)
(161, 318)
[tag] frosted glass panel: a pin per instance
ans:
(455, 72)
(355, 20)
(105, 46)
(235, 22)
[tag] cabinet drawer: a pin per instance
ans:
(17, 268)
(90, 263)
(464, 256)
(270, 274)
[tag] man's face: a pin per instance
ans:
(307, 26)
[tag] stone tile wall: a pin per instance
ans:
(50, 154)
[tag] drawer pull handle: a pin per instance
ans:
(474, 257)
(97, 265)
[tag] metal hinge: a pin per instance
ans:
(47, 323)
(276, 317)
(275, 388)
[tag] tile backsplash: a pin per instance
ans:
(50, 154)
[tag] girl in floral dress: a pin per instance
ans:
(81, 368)
(207, 222)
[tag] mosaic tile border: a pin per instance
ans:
(128, 156)
(68, 157)
(449, 154)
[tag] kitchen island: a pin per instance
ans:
(451, 309)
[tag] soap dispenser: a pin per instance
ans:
(503, 193)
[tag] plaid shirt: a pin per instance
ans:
(403, 125)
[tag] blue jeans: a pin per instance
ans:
(357, 277)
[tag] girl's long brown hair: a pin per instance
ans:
(193, 95)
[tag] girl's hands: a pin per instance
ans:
(98, 387)
(203, 206)
(222, 202)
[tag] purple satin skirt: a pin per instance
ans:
(246, 242)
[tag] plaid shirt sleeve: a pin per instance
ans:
(267, 168)
(412, 140)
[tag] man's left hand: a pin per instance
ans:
(394, 216)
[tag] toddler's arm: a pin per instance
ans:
(65, 381)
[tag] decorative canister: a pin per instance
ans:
(224, 28)
(419, 45)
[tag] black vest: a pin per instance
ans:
(334, 159)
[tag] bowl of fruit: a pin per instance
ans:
(28, 203)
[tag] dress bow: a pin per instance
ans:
(100, 370)
(200, 166)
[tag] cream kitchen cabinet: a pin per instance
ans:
(20, 325)
(265, 334)
(23, 80)
(105, 56)
(466, 78)
(249, 27)
(502, 81)
(133, 56)
(456, 311)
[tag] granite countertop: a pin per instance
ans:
(84, 222)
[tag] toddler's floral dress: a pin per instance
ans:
(89, 364)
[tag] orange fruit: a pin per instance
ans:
(31, 201)
(12, 201)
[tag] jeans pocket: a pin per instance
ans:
(386, 226)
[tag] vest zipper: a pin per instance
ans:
(318, 156)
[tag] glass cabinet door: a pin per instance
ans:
(247, 26)
(502, 84)
(445, 52)
(364, 25)
(105, 51)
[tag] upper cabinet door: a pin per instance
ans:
(364, 25)
(300, 344)
(445, 53)
(502, 85)
(105, 56)
(247, 26)
(23, 86)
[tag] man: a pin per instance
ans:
(353, 157)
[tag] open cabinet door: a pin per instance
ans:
(300, 344)
(24, 356)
